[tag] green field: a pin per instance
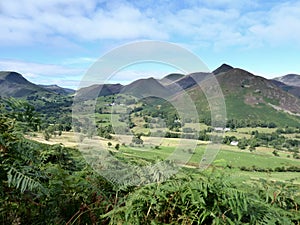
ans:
(232, 158)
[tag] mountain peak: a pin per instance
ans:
(13, 77)
(222, 69)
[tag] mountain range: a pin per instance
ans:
(247, 96)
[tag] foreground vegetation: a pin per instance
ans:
(53, 184)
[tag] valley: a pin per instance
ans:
(132, 143)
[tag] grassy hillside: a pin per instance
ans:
(251, 98)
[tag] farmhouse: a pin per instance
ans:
(234, 143)
(222, 129)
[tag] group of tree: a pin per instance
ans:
(273, 140)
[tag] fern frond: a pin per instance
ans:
(22, 181)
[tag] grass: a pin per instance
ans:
(196, 126)
(230, 155)
(248, 130)
(236, 134)
(235, 158)
(161, 148)
(273, 176)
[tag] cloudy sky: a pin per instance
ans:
(56, 41)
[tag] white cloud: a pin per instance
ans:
(281, 25)
(128, 76)
(28, 21)
(43, 73)
(213, 25)
(36, 68)
(221, 22)
(79, 61)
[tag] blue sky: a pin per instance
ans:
(55, 41)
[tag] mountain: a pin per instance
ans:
(256, 90)
(247, 96)
(13, 84)
(145, 88)
(290, 79)
(98, 90)
(250, 97)
(57, 89)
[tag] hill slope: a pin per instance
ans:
(294, 90)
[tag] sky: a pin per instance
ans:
(57, 41)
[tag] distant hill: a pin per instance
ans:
(290, 79)
(57, 89)
(289, 83)
(13, 84)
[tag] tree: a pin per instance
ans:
(117, 147)
(137, 140)
(275, 153)
(109, 144)
(242, 143)
(47, 136)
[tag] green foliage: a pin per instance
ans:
(207, 199)
(23, 112)
(137, 140)
(22, 181)
(242, 143)
(43, 184)
(105, 131)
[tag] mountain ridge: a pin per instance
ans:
(57, 89)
